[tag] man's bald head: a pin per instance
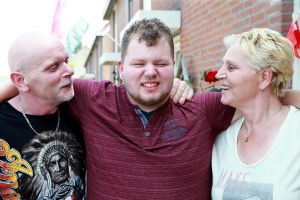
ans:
(29, 50)
(40, 71)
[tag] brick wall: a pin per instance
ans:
(205, 23)
(166, 4)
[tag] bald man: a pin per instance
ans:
(35, 122)
(36, 128)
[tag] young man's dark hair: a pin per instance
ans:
(148, 30)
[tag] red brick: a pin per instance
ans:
(257, 17)
(276, 19)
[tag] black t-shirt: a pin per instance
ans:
(47, 165)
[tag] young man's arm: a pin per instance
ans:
(179, 93)
(291, 97)
(7, 91)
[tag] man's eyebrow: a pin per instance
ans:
(137, 60)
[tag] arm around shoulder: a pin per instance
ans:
(291, 97)
(7, 91)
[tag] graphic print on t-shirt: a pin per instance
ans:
(12, 165)
(172, 131)
(236, 189)
(48, 167)
(235, 186)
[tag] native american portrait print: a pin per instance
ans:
(57, 162)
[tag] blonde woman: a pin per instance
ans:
(257, 157)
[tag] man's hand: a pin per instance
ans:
(181, 91)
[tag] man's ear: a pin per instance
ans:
(120, 69)
(19, 81)
(265, 78)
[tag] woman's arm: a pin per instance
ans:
(181, 91)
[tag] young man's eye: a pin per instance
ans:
(161, 64)
(137, 64)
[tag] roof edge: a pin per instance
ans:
(108, 8)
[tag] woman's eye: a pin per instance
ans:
(231, 67)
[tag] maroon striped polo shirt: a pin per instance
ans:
(169, 159)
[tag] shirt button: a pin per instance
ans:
(147, 134)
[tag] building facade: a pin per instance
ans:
(198, 28)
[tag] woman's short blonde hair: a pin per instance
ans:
(264, 48)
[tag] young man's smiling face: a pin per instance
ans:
(147, 72)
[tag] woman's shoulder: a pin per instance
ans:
(230, 133)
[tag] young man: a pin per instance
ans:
(140, 145)
(36, 129)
